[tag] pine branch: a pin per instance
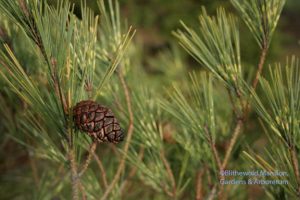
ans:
(241, 120)
(169, 193)
(233, 140)
(214, 150)
(261, 17)
(74, 175)
(57, 87)
(170, 174)
(234, 106)
(257, 76)
(262, 59)
(118, 104)
(129, 136)
(216, 47)
(102, 170)
(295, 164)
(132, 171)
(281, 113)
(55, 42)
(199, 186)
(212, 193)
(83, 194)
(88, 159)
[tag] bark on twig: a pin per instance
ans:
(88, 159)
(57, 87)
(74, 176)
(260, 66)
(212, 194)
(213, 148)
(83, 194)
(234, 107)
(295, 165)
(233, 140)
(170, 173)
(199, 188)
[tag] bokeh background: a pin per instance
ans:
(154, 21)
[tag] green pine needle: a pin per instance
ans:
(261, 17)
(216, 46)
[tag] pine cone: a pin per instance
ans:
(97, 121)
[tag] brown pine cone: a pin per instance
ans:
(97, 121)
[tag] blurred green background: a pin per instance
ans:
(156, 19)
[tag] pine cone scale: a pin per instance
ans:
(99, 116)
(98, 126)
(97, 121)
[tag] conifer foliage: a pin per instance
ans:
(77, 100)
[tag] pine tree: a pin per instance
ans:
(73, 88)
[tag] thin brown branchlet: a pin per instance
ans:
(241, 119)
(129, 136)
(199, 186)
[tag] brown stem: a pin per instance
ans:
(257, 75)
(240, 122)
(213, 149)
(103, 173)
(234, 107)
(88, 159)
(260, 66)
(23, 7)
(5, 38)
(170, 173)
(216, 156)
(129, 135)
(88, 88)
(118, 104)
(199, 188)
(68, 67)
(83, 194)
(295, 164)
(233, 140)
(57, 86)
(167, 191)
(241, 119)
(74, 176)
(132, 171)
(212, 193)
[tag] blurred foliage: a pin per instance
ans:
(156, 60)
(156, 19)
